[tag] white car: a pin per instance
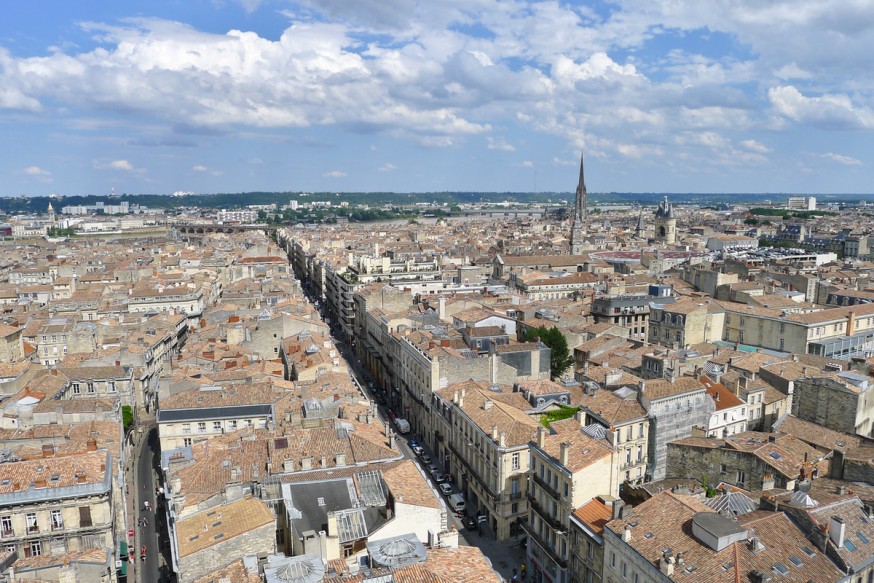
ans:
(439, 477)
(445, 489)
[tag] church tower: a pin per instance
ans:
(640, 228)
(51, 211)
(581, 212)
(665, 223)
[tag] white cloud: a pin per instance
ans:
(36, 171)
(122, 165)
(334, 174)
(828, 111)
(754, 146)
(526, 164)
(499, 144)
(841, 159)
(387, 167)
(199, 168)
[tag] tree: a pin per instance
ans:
(127, 417)
(560, 358)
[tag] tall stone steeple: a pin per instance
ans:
(581, 212)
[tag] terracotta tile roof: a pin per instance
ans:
(612, 408)
(408, 486)
(664, 522)
(663, 388)
(720, 394)
(205, 529)
(594, 514)
(583, 452)
(236, 572)
(513, 421)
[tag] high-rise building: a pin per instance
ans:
(581, 211)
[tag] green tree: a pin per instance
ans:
(560, 358)
(127, 417)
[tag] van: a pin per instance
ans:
(456, 503)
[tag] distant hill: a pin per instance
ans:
(241, 199)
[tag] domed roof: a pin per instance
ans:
(665, 210)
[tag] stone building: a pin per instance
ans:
(748, 460)
(215, 538)
(665, 223)
(838, 401)
(568, 469)
(674, 409)
(684, 323)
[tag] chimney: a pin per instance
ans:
(837, 531)
(441, 308)
(48, 450)
(756, 545)
(324, 461)
(616, 508)
(768, 482)
(494, 433)
(288, 466)
(772, 438)
(54, 372)
(641, 386)
(541, 436)
(759, 577)
(307, 463)
(851, 322)
(391, 440)
(341, 459)
(455, 396)
(564, 450)
(461, 398)
(626, 534)
(387, 429)
(666, 565)
(91, 444)
(502, 440)
(488, 404)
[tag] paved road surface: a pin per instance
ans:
(154, 568)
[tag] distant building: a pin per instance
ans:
(801, 203)
(237, 216)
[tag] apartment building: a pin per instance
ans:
(181, 299)
(730, 415)
(550, 286)
(684, 323)
(673, 537)
(484, 430)
(55, 505)
(11, 344)
(568, 469)
(619, 417)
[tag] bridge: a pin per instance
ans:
(208, 228)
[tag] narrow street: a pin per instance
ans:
(155, 567)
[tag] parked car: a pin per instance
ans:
(426, 459)
(433, 469)
(412, 443)
(445, 489)
(439, 477)
(470, 523)
(418, 449)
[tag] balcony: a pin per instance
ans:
(554, 523)
(550, 552)
(546, 486)
(7, 532)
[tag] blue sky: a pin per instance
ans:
(406, 95)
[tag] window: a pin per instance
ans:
(613, 560)
(186, 442)
(515, 461)
(781, 344)
(741, 477)
(186, 428)
(742, 320)
(216, 425)
(6, 526)
(57, 520)
(90, 388)
(639, 430)
(679, 336)
(111, 386)
(85, 516)
(639, 453)
(740, 336)
(590, 550)
(30, 520)
(33, 549)
(514, 508)
(201, 426)
(76, 389)
(629, 434)
(233, 424)
(782, 327)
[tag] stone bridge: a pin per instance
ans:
(208, 228)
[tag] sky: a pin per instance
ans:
(159, 96)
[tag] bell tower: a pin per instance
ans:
(581, 212)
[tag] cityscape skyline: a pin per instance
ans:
(399, 96)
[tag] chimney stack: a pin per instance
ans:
(564, 450)
(837, 531)
(541, 436)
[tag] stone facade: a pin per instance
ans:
(833, 404)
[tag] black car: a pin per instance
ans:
(469, 523)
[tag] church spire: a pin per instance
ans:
(581, 211)
(581, 206)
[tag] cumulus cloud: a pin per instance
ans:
(499, 144)
(841, 159)
(36, 171)
(754, 146)
(121, 165)
(334, 174)
(828, 111)
(387, 167)
(199, 168)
